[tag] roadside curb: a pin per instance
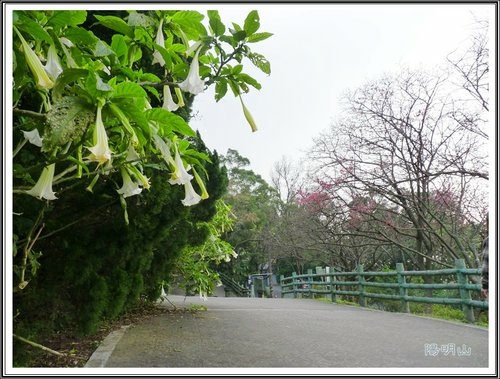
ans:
(100, 357)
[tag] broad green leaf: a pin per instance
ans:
(149, 77)
(257, 37)
(67, 121)
(34, 29)
(194, 157)
(228, 39)
(80, 36)
(261, 62)
(116, 24)
(101, 85)
(170, 122)
(252, 23)
(123, 118)
(120, 47)
(68, 76)
(190, 23)
(234, 87)
(134, 111)
(102, 49)
(239, 35)
(128, 90)
(248, 79)
(215, 22)
(220, 89)
(139, 19)
(237, 69)
(62, 19)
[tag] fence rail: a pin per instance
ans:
(326, 282)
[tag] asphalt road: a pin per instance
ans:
(252, 332)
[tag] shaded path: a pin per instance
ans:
(250, 332)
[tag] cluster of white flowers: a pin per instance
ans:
(100, 152)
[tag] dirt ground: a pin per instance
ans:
(77, 350)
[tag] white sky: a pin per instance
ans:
(317, 53)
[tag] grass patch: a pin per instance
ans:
(197, 308)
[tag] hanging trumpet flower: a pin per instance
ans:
(180, 174)
(129, 188)
(53, 66)
(248, 116)
(100, 151)
(180, 98)
(204, 193)
(43, 187)
(193, 83)
(191, 197)
(159, 40)
(168, 101)
(33, 137)
(42, 79)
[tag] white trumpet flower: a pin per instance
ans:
(191, 198)
(180, 174)
(41, 77)
(159, 40)
(53, 66)
(129, 188)
(168, 101)
(43, 188)
(193, 83)
(100, 151)
(33, 137)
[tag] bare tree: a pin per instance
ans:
(472, 70)
(397, 146)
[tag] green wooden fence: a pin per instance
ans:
(333, 283)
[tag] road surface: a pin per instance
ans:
(254, 332)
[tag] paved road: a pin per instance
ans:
(251, 332)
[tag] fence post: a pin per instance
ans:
(464, 293)
(309, 282)
(281, 285)
(294, 283)
(330, 279)
(361, 287)
(403, 291)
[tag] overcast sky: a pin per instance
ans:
(317, 53)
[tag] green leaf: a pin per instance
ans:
(215, 23)
(170, 122)
(139, 19)
(101, 85)
(102, 49)
(190, 23)
(234, 87)
(67, 121)
(220, 89)
(62, 19)
(135, 113)
(123, 118)
(80, 36)
(248, 79)
(257, 37)
(252, 23)
(120, 47)
(116, 24)
(34, 29)
(238, 35)
(68, 76)
(237, 69)
(260, 61)
(129, 90)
